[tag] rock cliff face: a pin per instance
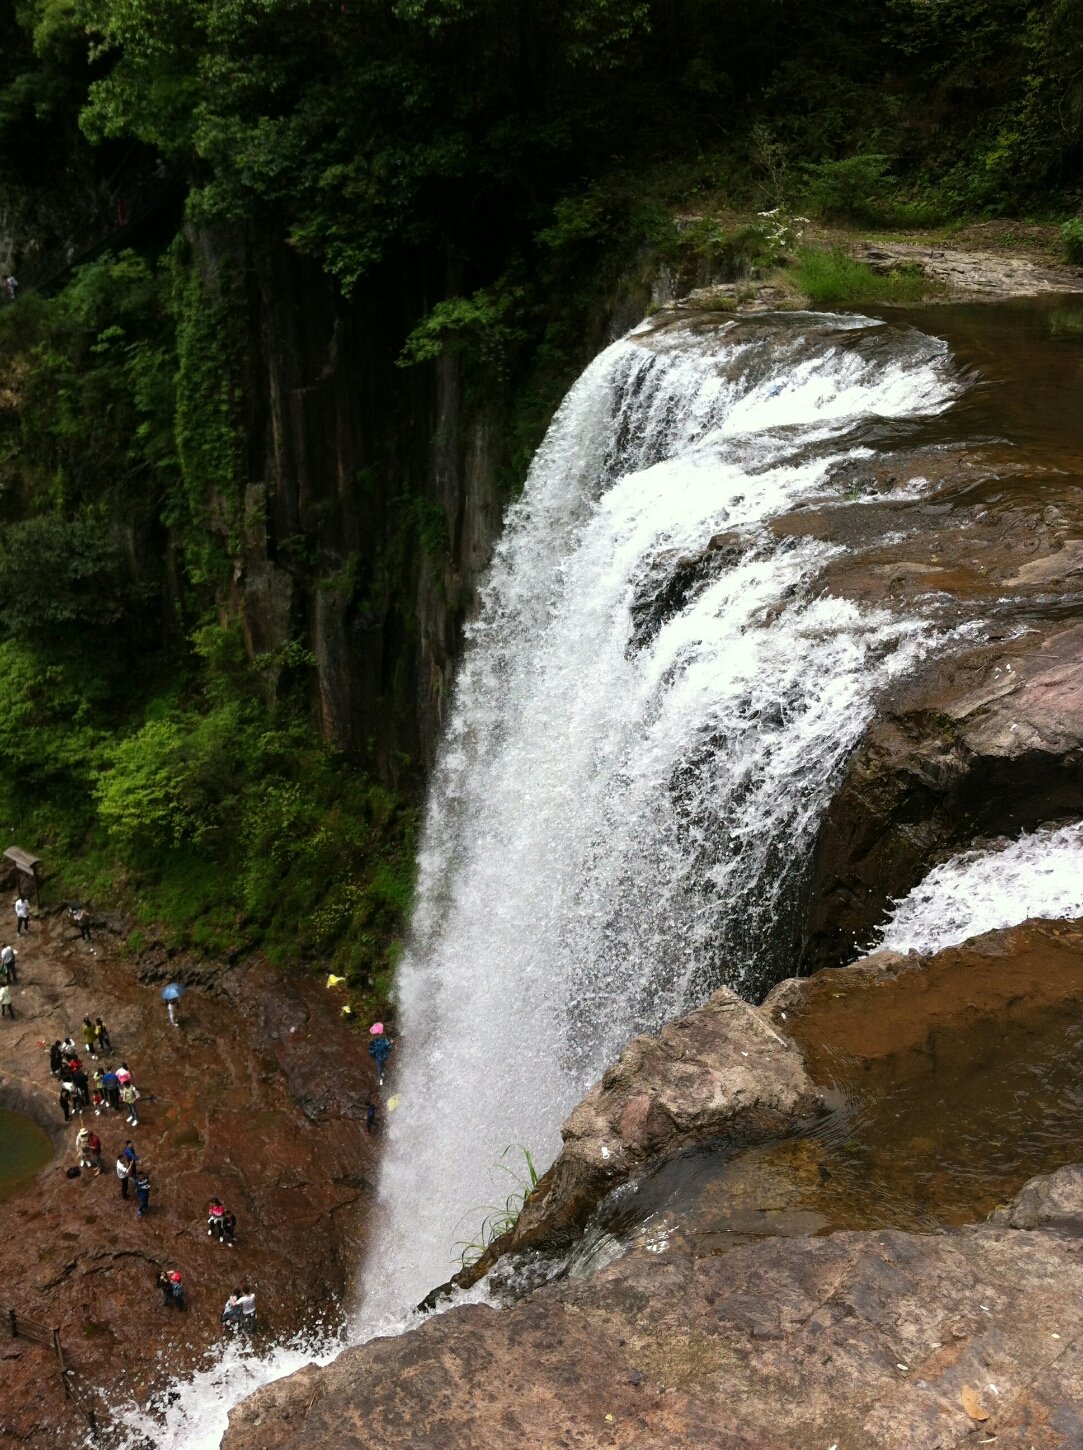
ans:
(371, 495)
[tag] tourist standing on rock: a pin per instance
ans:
(5, 1001)
(7, 964)
(82, 1087)
(129, 1094)
(97, 1095)
(55, 1059)
(216, 1214)
(22, 914)
(172, 1286)
(81, 917)
(380, 1049)
(229, 1229)
(111, 1088)
(90, 1038)
(102, 1032)
(131, 1155)
(89, 1147)
(67, 1048)
(246, 1303)
(65, 1102)
(142, 1192)
(231, 1314)
(124, 1169)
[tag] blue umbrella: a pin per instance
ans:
(172, 992)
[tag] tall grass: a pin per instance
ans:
(835, 279)
(498, 1220)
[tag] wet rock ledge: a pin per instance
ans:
(851, 1339)
(721, 1074)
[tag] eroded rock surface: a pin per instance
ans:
(886, 1339)
(778, 1336)
(983, 274)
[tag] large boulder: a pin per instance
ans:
(722, 1073)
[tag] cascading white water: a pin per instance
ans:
(1039, 875)
(644, 733)
(649, 717)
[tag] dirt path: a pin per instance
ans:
(258, 1097)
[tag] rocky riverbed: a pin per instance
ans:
(258, 1097)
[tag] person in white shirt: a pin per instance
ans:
(246, 1303)
(22, 914)
(7, 964)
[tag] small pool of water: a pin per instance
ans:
(24, 1151)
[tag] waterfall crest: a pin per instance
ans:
(649, 718)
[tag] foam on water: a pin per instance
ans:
(1039, 875)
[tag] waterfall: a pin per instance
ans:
(1036, 876)
(649, 718)
(650, 715)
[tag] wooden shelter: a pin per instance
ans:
(26, 867)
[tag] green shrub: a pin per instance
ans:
(234, 832)
(848, 190)
(64, 582)
(1071, 238)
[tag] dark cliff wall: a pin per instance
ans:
(369, 496)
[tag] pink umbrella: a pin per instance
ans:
(376, 1029)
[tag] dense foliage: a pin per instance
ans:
(137, 747)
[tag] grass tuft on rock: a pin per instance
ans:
(835, 279)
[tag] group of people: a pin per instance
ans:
(111, 1088)
(129, 1170)
(8, 973)
(240, 1310)
(104, 1088)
